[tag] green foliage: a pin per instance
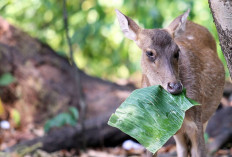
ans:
(99, 46)
(6, 79)
(151, 115)
(66, 118)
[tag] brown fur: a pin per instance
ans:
(198, 68)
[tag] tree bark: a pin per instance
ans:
(222, 15)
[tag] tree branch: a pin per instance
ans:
(65, 19)
(77, 74)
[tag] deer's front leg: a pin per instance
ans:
(198, 143)
(195, 132)
(181, 145)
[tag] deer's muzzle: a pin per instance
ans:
(175, 87)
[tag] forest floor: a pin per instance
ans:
(119, 151)
(128, 148)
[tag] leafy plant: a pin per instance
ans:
(66, 118)
(6, 79)
(151, 115)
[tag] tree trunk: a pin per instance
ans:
(222, 14)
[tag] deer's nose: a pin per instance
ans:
(175, 87)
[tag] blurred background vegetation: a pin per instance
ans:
(99, 46)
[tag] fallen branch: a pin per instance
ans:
(98, 133)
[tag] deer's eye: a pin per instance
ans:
(176, 55)
(150, 55)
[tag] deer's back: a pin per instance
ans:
(201, 71)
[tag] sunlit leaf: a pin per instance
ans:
(151, 115)
(2, 110)
(16, 117)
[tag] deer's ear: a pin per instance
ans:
(128, 26)
(177, 27)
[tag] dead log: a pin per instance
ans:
(45, 87)
(97, 134)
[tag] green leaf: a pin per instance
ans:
(6, 79)
(60, 119)
(47, 126)
(74, 112)
(66, 118)
(151, 115)
(206, 137)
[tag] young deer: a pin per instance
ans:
(182, 55)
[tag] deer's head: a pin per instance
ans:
(160, 53)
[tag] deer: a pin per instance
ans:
(182, 55)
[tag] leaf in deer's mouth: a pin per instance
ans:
(151, 115)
